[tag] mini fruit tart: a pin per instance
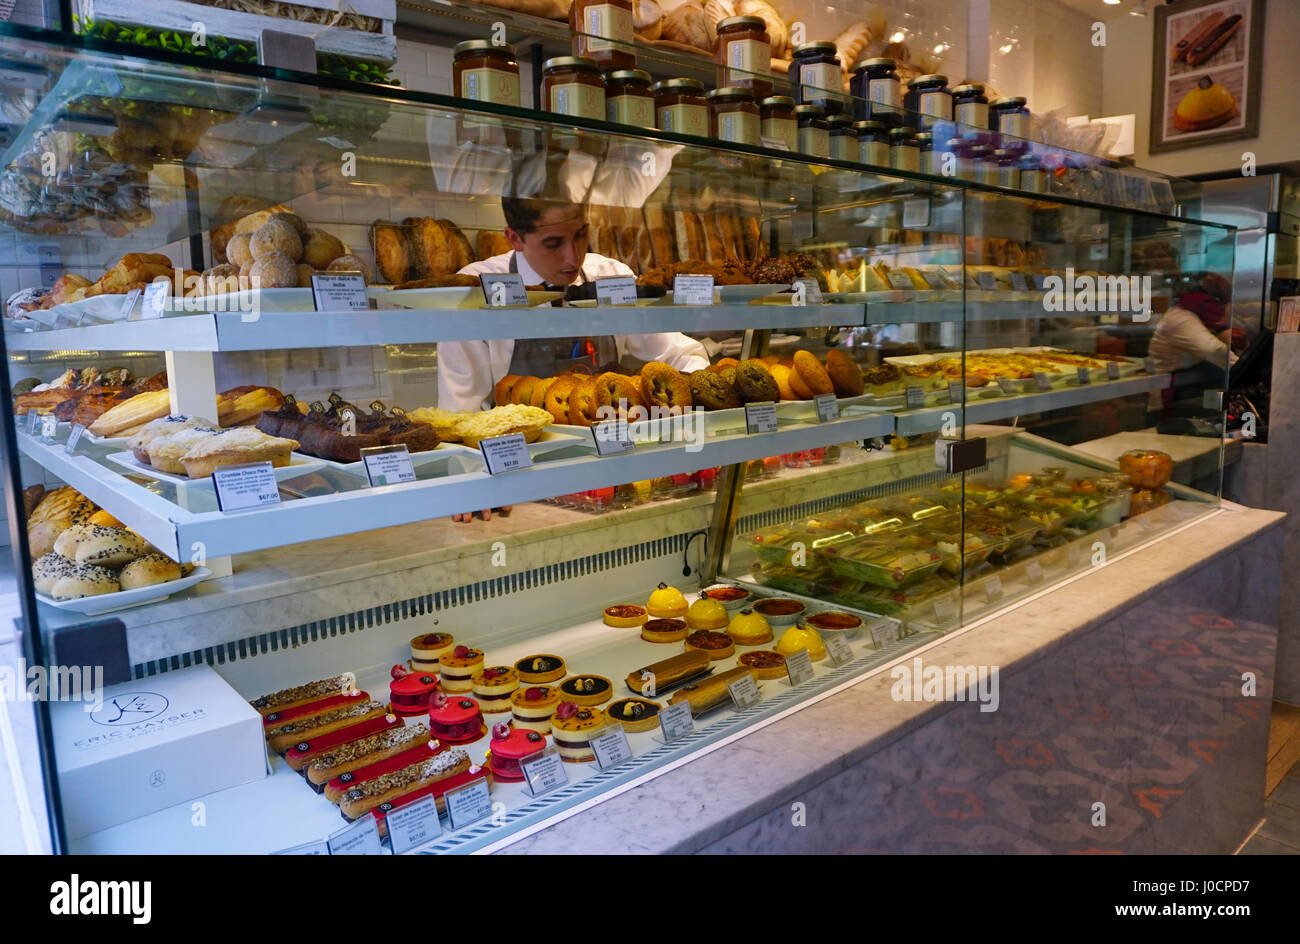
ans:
(634, 714)
(428, 648)
(533, 707)
(718, 645)
(765, 663)
(586, 690)
(458, 668)
(542, 668)
(733, 598)
(625, 615)
(492, 688)
(780, 611)
(663, 630)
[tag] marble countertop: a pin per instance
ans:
(1181, 449)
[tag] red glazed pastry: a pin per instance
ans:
(310, 709)
(347, 758)
(287, 734)
(300, 756)
(341, 784)
(409, 692)
(455, 719)
(438, 790)
(509, 748)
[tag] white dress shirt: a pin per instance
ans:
(468, 370)
(1182, 340)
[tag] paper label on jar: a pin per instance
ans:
(606, 25)
(874, 152)
(1016, 124)
(739, 127)
(637, 110)
(844, 148)
(490, 85)
(936, 104)
(822, 75)
(577, 100)
(973, 114)
(785, 130)
(883, 92)
(747, 57)
(684, 119)
(815, 141)
(905, 158)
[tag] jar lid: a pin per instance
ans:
(820, 45)
(970, 88)
(836, 121)
(934, 79)
(685, 85)
(902, 134)
(622, 74)
(925, 138)
(750, 22)
(874, 63)
(481, 45)
(1006, 100)
(570, 62)
(776, 101)
(1004, 154)
(730, 91)
(810, 111)
(869, 126)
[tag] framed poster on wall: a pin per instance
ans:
(1206, 84)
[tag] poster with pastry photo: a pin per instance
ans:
(1207, 73)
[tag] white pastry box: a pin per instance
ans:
(153, 743)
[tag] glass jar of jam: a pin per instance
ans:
(874, 87)
(745, 54)
(970, 109)
(817, 76)
(734, 117)
(873, 143)
(928, 96)
(904, 154)
(983, 168)
(777, 112)
(929, 157)
(1033, 178)
(602, 32)
(482, 72)
(680, 106)
(628, 99)
(814, 132)
(844, 140)
(1008, 168)
(1009, 116)
(571, 85)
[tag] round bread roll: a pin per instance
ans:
(109, 547)
(276, 236)
(539, 392)
(797, 385)
(305, 272)
(104, 519)
(48, 569)
(42, 535)
(293, 219)
(812, 374)
(350, 263)
(320, 248)
(845, 374)
(501, 390)
(245, 271)
(148, 570)
(67, 543)
(710, 391)
(84, 580)
(238, 251)
(781, 374)
(275, 270)
(221, 279)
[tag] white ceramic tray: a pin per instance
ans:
(444, 452)
(107, 602)
(298, 465)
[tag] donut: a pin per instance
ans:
(617, 393)
(319, 248)
(275, 236)
(557, 397)
(797, 387)
(539, 392)
(274, 270)
(662, 385)
(501, 390)
(812, 374)
(582, 401)
(754, 382)
(350, 263)
(845, 374)
(522, 392)
(781, 374)
(237, 251)
(710, 391)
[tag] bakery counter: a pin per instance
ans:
(1196, 458)
(1122, 687)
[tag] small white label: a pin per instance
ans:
(944, 608)
(693, 290)
(993, 588)
(49, 423)
(33, 420)
(744, 692)
(617, 290)
(882, 633)
(986, 281)
(505, 453)
(914, 398)
(956, 392)
(339, 292)
(468, 804)
(775, 144)
(1112, 370)
(361, 838)
(932, 279)
(413, 825)
(828, 408)
(317, 847)
(1042, 381)
(388, 465)
(1018, 282)
(916, 213)
(543, 772)
(806, 292)
(128, 305)
(675, 721)
(1009, 387)
(155, 299)
(611, 748)
(612, 439)
(70, 446)
(504, 289)
(1084, 376)
(899, 280)
(799, 667)
(251, 485)
(1033, 571)
(838, 648)
(760, 418)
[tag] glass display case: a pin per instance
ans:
(862, 406)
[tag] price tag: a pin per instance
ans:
(1033, 571)
(155, 299)
(341, 292)
(806, 292)
(899, 281)
(693, 290)
(503, 289)
(744, 692)
(932, 279)
(916, 213)
(71, 445)
(319, 847)
(986, 281)
(799, 667)
(1112, 370)
(1018, 282)
(956, 392)
(388, 465)
(611, 748)
(838, 648)
(413, 825)
(128, 305)
(33, 420)
(1042, 381)
(675, 721)
(505, 453)
(828, 408)
(612, 439)
(251, 485)
(775, 144)
(944, 608)
(914, 397)
(1084, 376)
(543, 772)
(361, 838)
(617, 290)
(49, 424)
(760, 418)
(882, 633)
(1009, 387)
(468, 804)
(993, 588)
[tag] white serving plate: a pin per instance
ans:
(298, 465)
(453, 297)
(107, 602)
(443, 452)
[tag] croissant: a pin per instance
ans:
(850, 43)
(689, 26)
(776, 28)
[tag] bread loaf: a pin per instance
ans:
(647, 19)
(689, 26)
(388, 243)
(429, 249)
(850, 43)
(776, 28)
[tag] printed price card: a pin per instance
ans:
(343, 292)
(986, 281)
(744, 692)
(1042, 381)
(944, 608)
(1033, 571)
(993, 588)
(914, 397)
(693, 290)
(760, 418)
(1008, 386)
(806, 292)
(468, 804)
(388, 465)
(318, 847)
(49, 424)
(504, 289)
(73, 438)
(675, 721)
(899, 281)
(155, 299)
(616, 290)
(33, 420)
(361, 838)
(799, 667)
(611, 748)
(543, 772)
(882, 633)
(128, 305)
(828, 408)
(505, 453)
(1112, 370)
(413, 825)
(612, 439)
(956, 392)
(838, 648)
(1084, 376)
(1018, 282)
(251, 485)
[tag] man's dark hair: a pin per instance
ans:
(522, 213)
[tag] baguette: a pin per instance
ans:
(141, 408)
(651, 678)
(709, 692)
